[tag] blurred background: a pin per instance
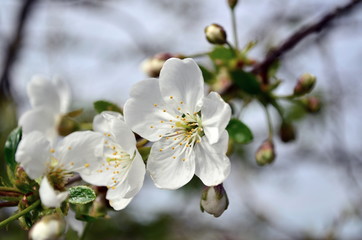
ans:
(314, 188)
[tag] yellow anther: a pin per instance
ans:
(155, 105)
(159, 135)
(86, 165)
(180, 144)
(69, 148)
(161, 121)
(174, 157)
(173, 148)
(171, 97)
(167, 138)
(71, 163)
(172, 126)
(177, 116)
(170, 120)
(115, 153)
(115, 181)
(179, 108)
(184, 159)
(161, 149)
(113, 187)
(164, 110)
(52, 150)
(181, 102)
(151, 126)
(108, 135)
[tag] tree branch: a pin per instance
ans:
(13, 48)
(293, 40)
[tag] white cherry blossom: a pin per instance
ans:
(122, 169)
(49, 101)
(78, 152)
(188, 128)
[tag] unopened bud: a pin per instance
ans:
(152, 66)
(215, 34)
(214, 200)
(232, 3)
(22, 181)
(311, 104)
(287, 132)
(265, 154)
(49, 227)
(67, 125)
(305, 84)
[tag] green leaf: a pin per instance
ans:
(81, 195)
(246, 81)
(239, 132)
(11, 145)
(221, 53)
(101, 106)
(208, 75)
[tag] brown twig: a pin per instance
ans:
(293, 40)
(13, 48)
(8, 204)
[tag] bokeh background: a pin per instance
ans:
(312, 191)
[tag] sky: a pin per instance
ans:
(98, 50)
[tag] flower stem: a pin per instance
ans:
(19, 214)
(231, 48)
(196, 55)
(9, 189)
(270, 125)
(235, 32)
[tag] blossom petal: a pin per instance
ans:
(64, 94)
(169, 172)
(212, 164)
(131, 184)
(39, 119)
(50, 197)
(43, 93)
(74, 223)
(119, 204)
(81, 152)
(182, 84)
(112, 123)
(146, 113)
(33, 154)
(215, 116)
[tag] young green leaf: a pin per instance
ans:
(239, 132)
(101, 106)
(221, 53)
(207, 74)
(11, 146)
(246, 81)
(81, 195)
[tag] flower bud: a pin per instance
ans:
(215, 34)
(287, 132)
(232, 3)
(311, 104)
(305, 84)
(152, 66)
(49, 227)
(265, 154)
(214, 200)
(22, 181)
(67, 125)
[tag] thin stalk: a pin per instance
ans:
(196, 55)
(231, 48)
(19, 214)
(8, 204)
(270, 125)
(235, 31)
(9, 189)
